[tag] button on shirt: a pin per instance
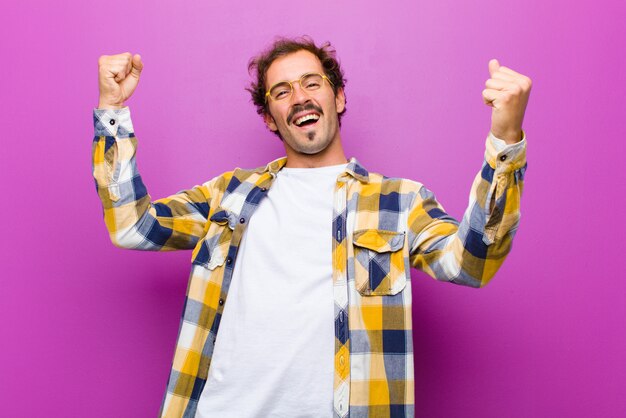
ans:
(380, 228)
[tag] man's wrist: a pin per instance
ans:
(510, 138)
(104, 105)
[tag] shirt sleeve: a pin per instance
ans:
(471, 252)
(132, 219)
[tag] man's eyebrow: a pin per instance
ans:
(296, 79)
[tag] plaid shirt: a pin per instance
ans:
(382, 226)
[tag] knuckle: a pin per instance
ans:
(104, 60)
(529, 83)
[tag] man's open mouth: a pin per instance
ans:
(306, 120)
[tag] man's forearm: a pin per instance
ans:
(471, 252)
(133, 221)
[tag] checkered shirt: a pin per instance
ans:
(381, 227)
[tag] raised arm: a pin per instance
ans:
(471, 252)
(133, 221)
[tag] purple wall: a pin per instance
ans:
(88, 330)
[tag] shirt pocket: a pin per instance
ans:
(212, 251)
(379, 262)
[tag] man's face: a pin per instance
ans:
(312, 136)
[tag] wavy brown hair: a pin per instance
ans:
(258, 66)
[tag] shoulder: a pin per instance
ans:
(388, 184)
(372, 181)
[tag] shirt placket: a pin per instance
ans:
(253, 199)
(341, 395)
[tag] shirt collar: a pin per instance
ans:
(354, 168)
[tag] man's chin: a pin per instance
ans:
(309, 147)
(312, 150)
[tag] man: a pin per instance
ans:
(303, 265)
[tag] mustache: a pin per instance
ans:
(303, 108)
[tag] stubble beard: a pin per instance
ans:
(310, 147)
(315, 142)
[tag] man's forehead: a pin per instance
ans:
(293, 66)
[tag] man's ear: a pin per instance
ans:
(270, 122)
(340, 100)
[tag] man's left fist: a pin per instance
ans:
(507, 93)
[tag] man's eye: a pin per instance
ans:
(312, 85)
(280, 92)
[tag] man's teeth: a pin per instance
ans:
(304, 118)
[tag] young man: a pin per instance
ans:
(304, 265)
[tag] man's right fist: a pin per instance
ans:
(118, 76)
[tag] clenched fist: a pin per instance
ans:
(507, 93)
(118, 76)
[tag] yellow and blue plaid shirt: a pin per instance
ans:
(382, 226)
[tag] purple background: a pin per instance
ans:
(88, 330)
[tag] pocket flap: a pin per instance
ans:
(212, 250)
(379, 240)
(223, 216)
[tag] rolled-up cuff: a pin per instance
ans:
(112, 122)
(505, 157)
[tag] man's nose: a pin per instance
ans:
(299, 95)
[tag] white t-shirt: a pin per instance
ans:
(274, 351)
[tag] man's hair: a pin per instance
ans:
(258, 66)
